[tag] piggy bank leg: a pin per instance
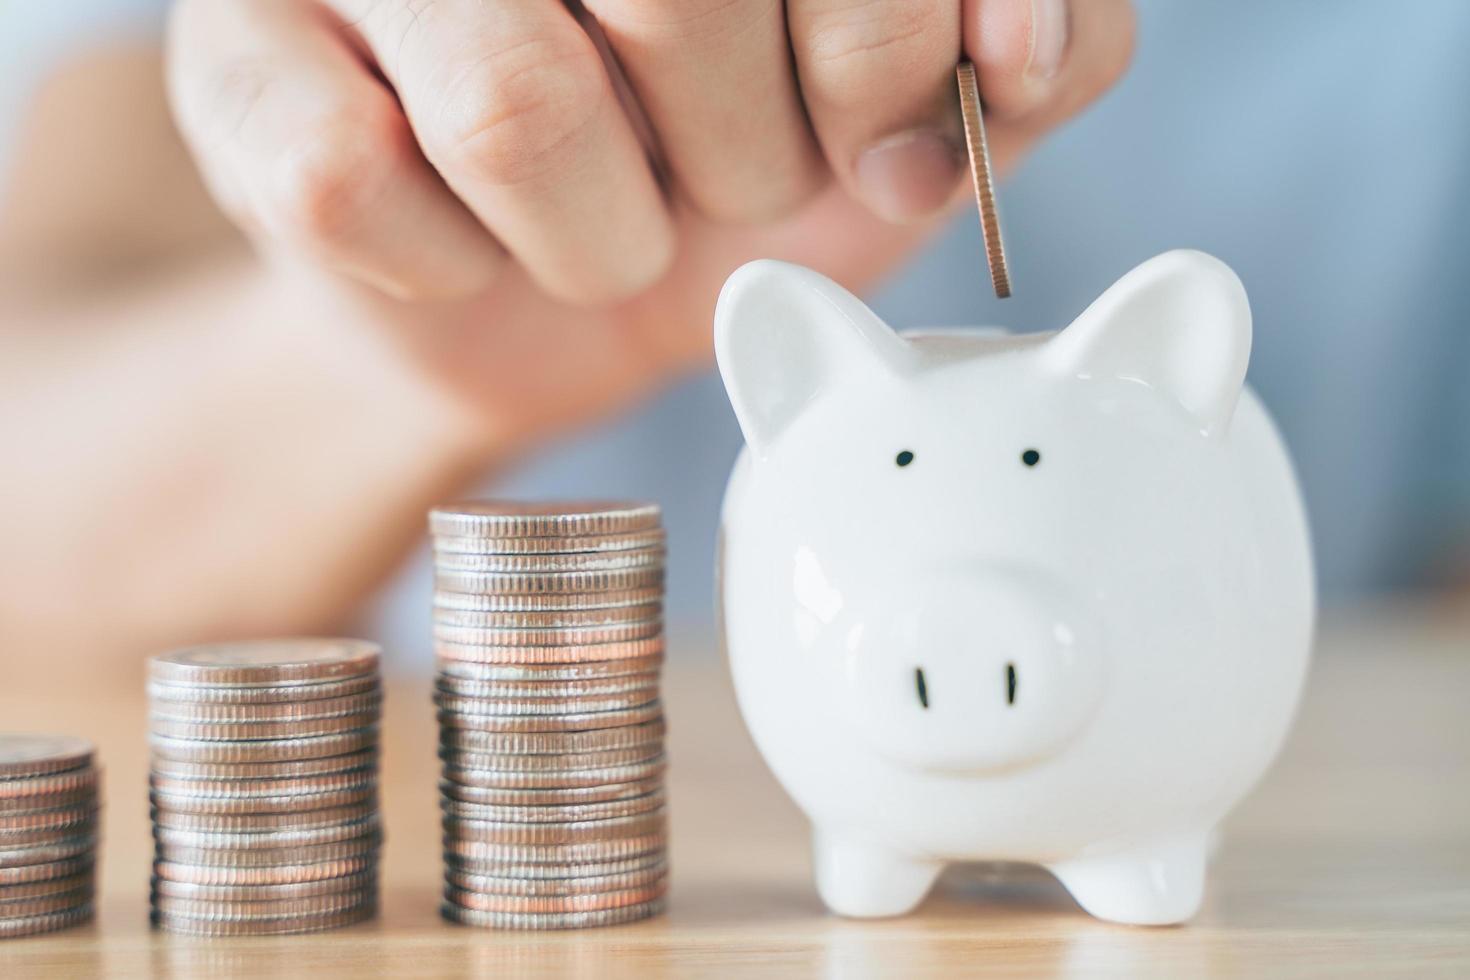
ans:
(862, 878)
(1157, 884)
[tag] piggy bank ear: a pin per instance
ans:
(1179, 323)
(784, 334)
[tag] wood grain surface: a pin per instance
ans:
(1351, 859)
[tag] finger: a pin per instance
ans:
(308, 150)
(511, 103)
(715, 78)
(878, 79)
(1038, 64)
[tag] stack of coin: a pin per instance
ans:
(548, 624)
(48, 832)
(264, 786)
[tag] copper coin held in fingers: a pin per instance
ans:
(982, 177)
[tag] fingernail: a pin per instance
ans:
(1049, 26)
(908, 176)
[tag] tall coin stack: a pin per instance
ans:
(48, 833)
(548, 624)
(264, 786)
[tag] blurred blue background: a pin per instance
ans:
(1323, 150)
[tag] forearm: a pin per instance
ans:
(207, 460)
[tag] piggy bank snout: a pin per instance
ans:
(971, 673)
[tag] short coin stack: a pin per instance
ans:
(264, 786)
(548, 623)
(48, 833)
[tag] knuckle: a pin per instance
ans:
(329, 182)
(875, 40)
(507, 116)
(686, 20)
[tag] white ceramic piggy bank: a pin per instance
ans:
(1039, 598)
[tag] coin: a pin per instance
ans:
(502, 706)
(12, 839)
(980, 175)
(569, 636)
(552, 743)
(186, 925)
(254, 731)
(461, 831)
(270, 857)
(36, 924)
(161, 694)
(12, 806)
(455, 671)
(549, 618)
(246, 788)
(538, 583)
(536, 690)
(266, 662)
(285, 711)
(44, 872)
(555, 812)
(268, 750)
(567, 920)
(544, 904)
(571, 722)
(467, 782)
(182, 803)
(509, 518)
(213, 874)
(292, 769)
(254, 823)
(305, 837)
(477, 653)
(359, 882)
(40, 889)
(449, 561)
(480, 852)
(24, 755)
(45, 905)
(568, 761)
(60, 850)
(575, 885)
(280, 908)
(556, 795)
(557, 545)
(35, 786)
(52, 818)
(550, 601)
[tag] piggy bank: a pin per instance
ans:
(1041, 598)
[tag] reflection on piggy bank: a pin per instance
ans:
(1040, 598)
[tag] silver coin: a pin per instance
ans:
(281, 711)
(565, 705)
(551, 618)
(290, 769)
(290, 925)
(324, 690)
(502, 832)
(60, 818)
(565, 795)
(451, 561)
(266, 839)
(571, 920)
(24, 755)
(277, 909)
(270, 857)
(265, 750)
(256, 731)
(211, 874)
(578, 636)
(257, 823)
(23, 890)
(45, 904)
(548, 873)
(299, 803)
(60, 850)
(570, 722)
(542, 519)
(266, 662)
(539, 583)
(249, 788)
(36, 924)
(555, 904)
(656, 870)
(468, 780)
(81, 864)
(581, 544)
(552, 743)
(550, 601)
(556, 761)
(16, 839)
(17, 806)
(553, 813)
(474, 855)
(532, 690)
(361, 881)
(455, 671)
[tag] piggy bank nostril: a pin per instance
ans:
(922, 686)
(1010, 683)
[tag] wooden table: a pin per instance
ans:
(1352, 858)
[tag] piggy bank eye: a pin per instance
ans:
(904, 458)
(1031, 457)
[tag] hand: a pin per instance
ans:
(539, 203)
